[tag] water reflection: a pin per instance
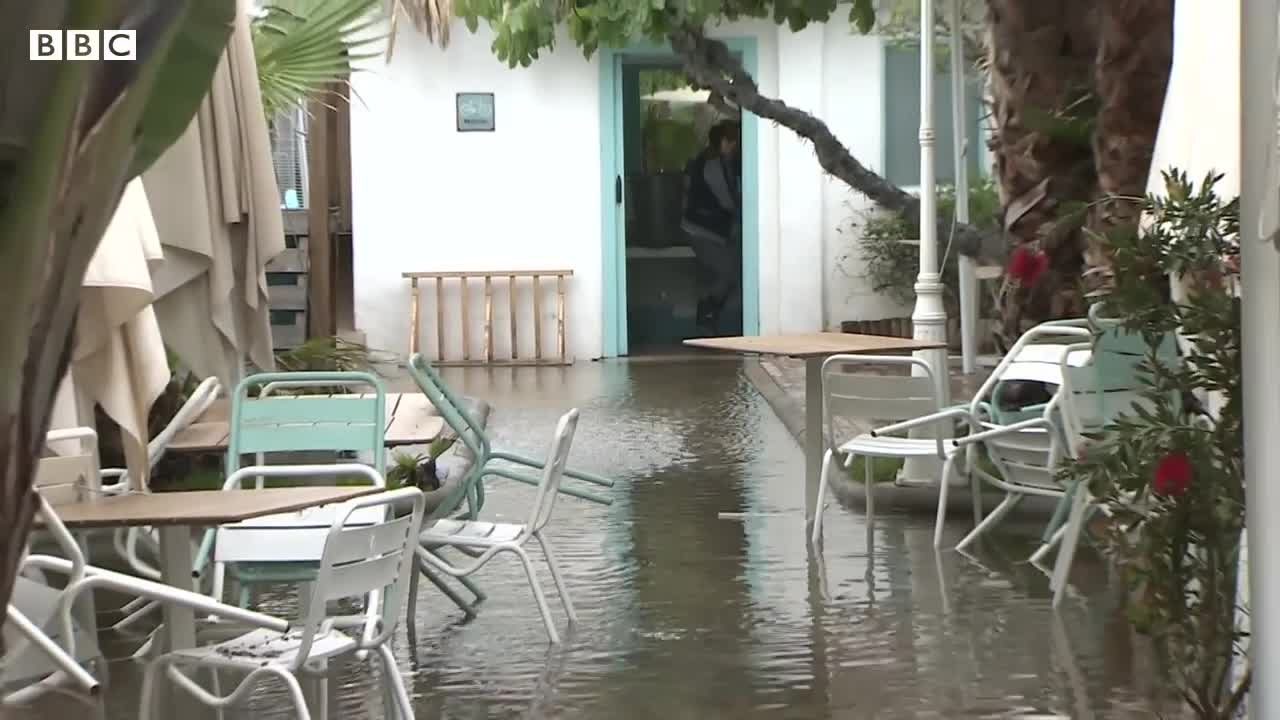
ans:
(685, 614)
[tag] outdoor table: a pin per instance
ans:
(813, 348)
(411, 420)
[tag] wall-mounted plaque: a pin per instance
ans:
(475, 112)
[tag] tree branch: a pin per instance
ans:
(711, 64)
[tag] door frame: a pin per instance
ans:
(612, 213)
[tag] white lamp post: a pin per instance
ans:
(1260, 305)
(929, 319)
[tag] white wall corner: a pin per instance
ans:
(801, 197)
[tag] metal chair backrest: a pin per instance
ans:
(69, 478)
(877, 397)
(1029, 457)
(205, 394)
(1114, 381)
(340, 423)
(1036, 357)
(545, 501)
(470, 433)
(367, 561)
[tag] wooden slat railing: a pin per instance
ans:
(513, 282)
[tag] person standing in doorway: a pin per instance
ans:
(712, 217)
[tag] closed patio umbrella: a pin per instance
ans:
(119, 360)
(217, 209)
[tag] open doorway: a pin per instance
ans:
(680, 283)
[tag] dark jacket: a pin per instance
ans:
(712, 200)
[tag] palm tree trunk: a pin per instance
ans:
(1041, 62)
(1131, 77)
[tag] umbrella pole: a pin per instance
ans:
(968, 289)
(1260, 298)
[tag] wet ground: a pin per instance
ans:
(686, 615)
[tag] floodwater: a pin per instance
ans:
(683, 614)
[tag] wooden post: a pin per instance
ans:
(344, 276)
(537, 319)
(466, 331)
(560, 316)
(511, 292)
(439, 318)
(319, 238)
(413, 314)
(488, 318)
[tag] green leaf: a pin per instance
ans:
(183, 80)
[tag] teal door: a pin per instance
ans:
(619, 146)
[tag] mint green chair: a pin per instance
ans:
(267, 423)
(466, 498)
(486, 460)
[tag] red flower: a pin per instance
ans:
(1027, 265)
(1172, 475)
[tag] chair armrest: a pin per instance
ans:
(267, 471)
(531, 480)
(1003, 430)
(952, 412)
(540, 464)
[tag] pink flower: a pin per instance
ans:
(1172, 475)
(1027, 265)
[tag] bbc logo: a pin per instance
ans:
(84, 44)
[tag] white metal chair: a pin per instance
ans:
(44, 646)
(1093, 395)
(367, 561)
(882, 398)
(487, 539)
(1025, 444)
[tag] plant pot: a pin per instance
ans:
(886, 327)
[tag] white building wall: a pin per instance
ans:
(854, 110)
(527, 196)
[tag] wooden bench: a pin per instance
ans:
(513, 280)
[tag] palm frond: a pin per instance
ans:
(429, 17)
(304, 46)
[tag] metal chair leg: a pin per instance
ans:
(1010, 501)
(943, 486)
(538, 595)
(558, 578)
(822, 497)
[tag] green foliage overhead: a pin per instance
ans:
(524, 28)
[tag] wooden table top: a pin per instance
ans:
(411, 420)
(812, 345)
(200, 507)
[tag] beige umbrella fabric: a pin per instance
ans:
(217, 208)
(119, 360)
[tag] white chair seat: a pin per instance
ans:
(895, 447)
(470, 532)
(266, 646)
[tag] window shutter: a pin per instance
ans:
(902, 119)
(289, 155)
